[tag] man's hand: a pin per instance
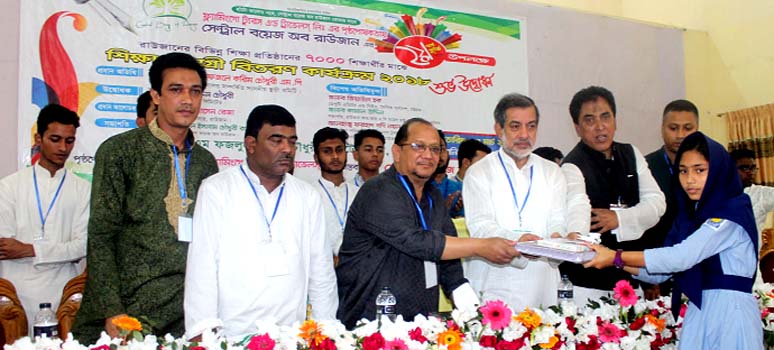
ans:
(497, 250)
(603, 220)
(110, 328)
(573, 235)
(450, 199)
(458, 206)
(10, 248)
(604, 257)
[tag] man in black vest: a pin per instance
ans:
(680, 119)
(625, 199)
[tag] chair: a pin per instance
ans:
(13, 320)
(70, 303)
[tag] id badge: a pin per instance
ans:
(431, 274)
(520, 231)
(184, 228)
(275, 260)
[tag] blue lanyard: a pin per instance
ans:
(416, 204)
(180, 179)
(335, 208)
(263, 211)
(356, 182)
(520, 208)
(37, 196)
(669, 165)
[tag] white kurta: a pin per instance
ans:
(632, 221)
(490, 211)
(762, 198)
(342, 195)
(41, 278)
(235, 275)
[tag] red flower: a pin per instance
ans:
(637, 324)
(570, 323)
(683, 309)
(516, 344)
(373, 342)
(326, 344)
(261, 342)
(488, 341)
(101, 347)
(415, 335)
(395, 344)
(592, 344)
(198, 347)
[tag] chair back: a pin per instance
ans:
(13, 320)
(70, 303)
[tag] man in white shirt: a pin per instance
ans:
(513, 194)
(330, 153)
(624, 199)
(369, 155)
(44, 213)
(257, 251)
(762, 198)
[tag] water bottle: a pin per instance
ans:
(564, 295)
(385, 305)
(45, 322)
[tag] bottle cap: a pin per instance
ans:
(386, 288)
(45, 305)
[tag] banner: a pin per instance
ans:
(346, 64)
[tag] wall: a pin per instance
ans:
(9, 75)
(728, 61)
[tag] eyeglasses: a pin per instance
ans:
(747, 168)
(421, 147)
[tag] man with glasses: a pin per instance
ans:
(399, 235)
(515, 195)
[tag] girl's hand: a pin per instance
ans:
(604, 257)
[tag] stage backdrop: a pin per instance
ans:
(347, 64)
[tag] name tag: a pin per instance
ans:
(184, 228)
(431, 274)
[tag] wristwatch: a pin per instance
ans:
(618, 262)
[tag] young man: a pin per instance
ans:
(257, 251)
(330, 152)
(369, 155)
(624, 198)
(470, 152)
(44, 210)
(680, 119)
(145, 185)
(146, 110)
(451, 190)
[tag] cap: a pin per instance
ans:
(45, 305)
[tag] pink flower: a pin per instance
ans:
(396, 344)
(261, 342)
(496, 314)
(624, 293)
(610, 333)
(101, 347)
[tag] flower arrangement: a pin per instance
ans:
(621, 321)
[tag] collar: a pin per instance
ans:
(257, 180)
(457, 177)
(393, 173)
(156, 131)
(329, 184)
(41, 170)
(512, 163)
(597, 154)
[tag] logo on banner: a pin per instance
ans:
(425, 45)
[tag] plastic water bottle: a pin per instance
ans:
(564, 295)
(385, 305)
(45, 322)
